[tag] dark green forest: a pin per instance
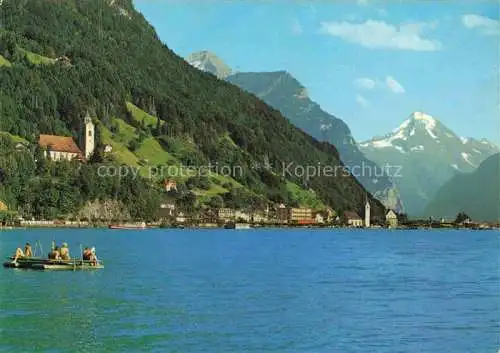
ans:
(63, 58)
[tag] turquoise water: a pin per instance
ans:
(257, 291)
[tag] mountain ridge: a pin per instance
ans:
(286, 93)
(283, 91)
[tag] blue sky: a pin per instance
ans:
(370, 63)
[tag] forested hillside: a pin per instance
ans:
(62, 58)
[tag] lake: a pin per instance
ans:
(268, 290)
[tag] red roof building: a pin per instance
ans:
(169, 185)
(60, 147)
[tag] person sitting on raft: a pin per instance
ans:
(55, 254)
(27, 250)
(64, 252)
(19, 254)
(89, 255)
(86, 254)
(93, 256)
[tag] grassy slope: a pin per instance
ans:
(14, 138)
(151, 150)
(306, 198)
(125, 133)
(122, 153)
(37, 59)
(140, 115)
(4, 62)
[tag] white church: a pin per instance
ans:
(64, 147)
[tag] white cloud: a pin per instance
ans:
(362, 2)
(379, 34)
(364, 83)
(297, 27)
(394, 85)
(484, 24)
(362, 101)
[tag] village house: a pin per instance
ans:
(319, 219)
(208, 217)
(181, 218)
(330, 215)
(241, 215)
(169, 206)
(21, 146)
(225, 214)
(167, 209)
(300, 215)
(64, 148)
(169, 185)
(260, 217)
(391, 219)
(282, 213)
(64, 60)
(108, 148)
(352, 219)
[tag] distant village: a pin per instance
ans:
(277, 215)
(169, 214)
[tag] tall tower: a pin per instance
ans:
(367, 214)
(88, 137)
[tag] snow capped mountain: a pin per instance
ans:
(209, 62)
(429, 154)
(422, 133)
(418, 127)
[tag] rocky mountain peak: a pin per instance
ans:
(207, 61)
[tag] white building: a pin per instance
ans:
(64, 147)
(367, 214)
(319, 218)
(352, 219)
(108, 148)
(391, 219)
(242, 215)
(59, 147)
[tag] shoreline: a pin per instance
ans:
(250, 226)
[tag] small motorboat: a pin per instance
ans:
(37, 263)
(129, 226)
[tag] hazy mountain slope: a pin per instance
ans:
(477, 194)
(282, 91)
(429, 154)
(113, 55)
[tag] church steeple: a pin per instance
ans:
(88, 137)
(367, 212)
